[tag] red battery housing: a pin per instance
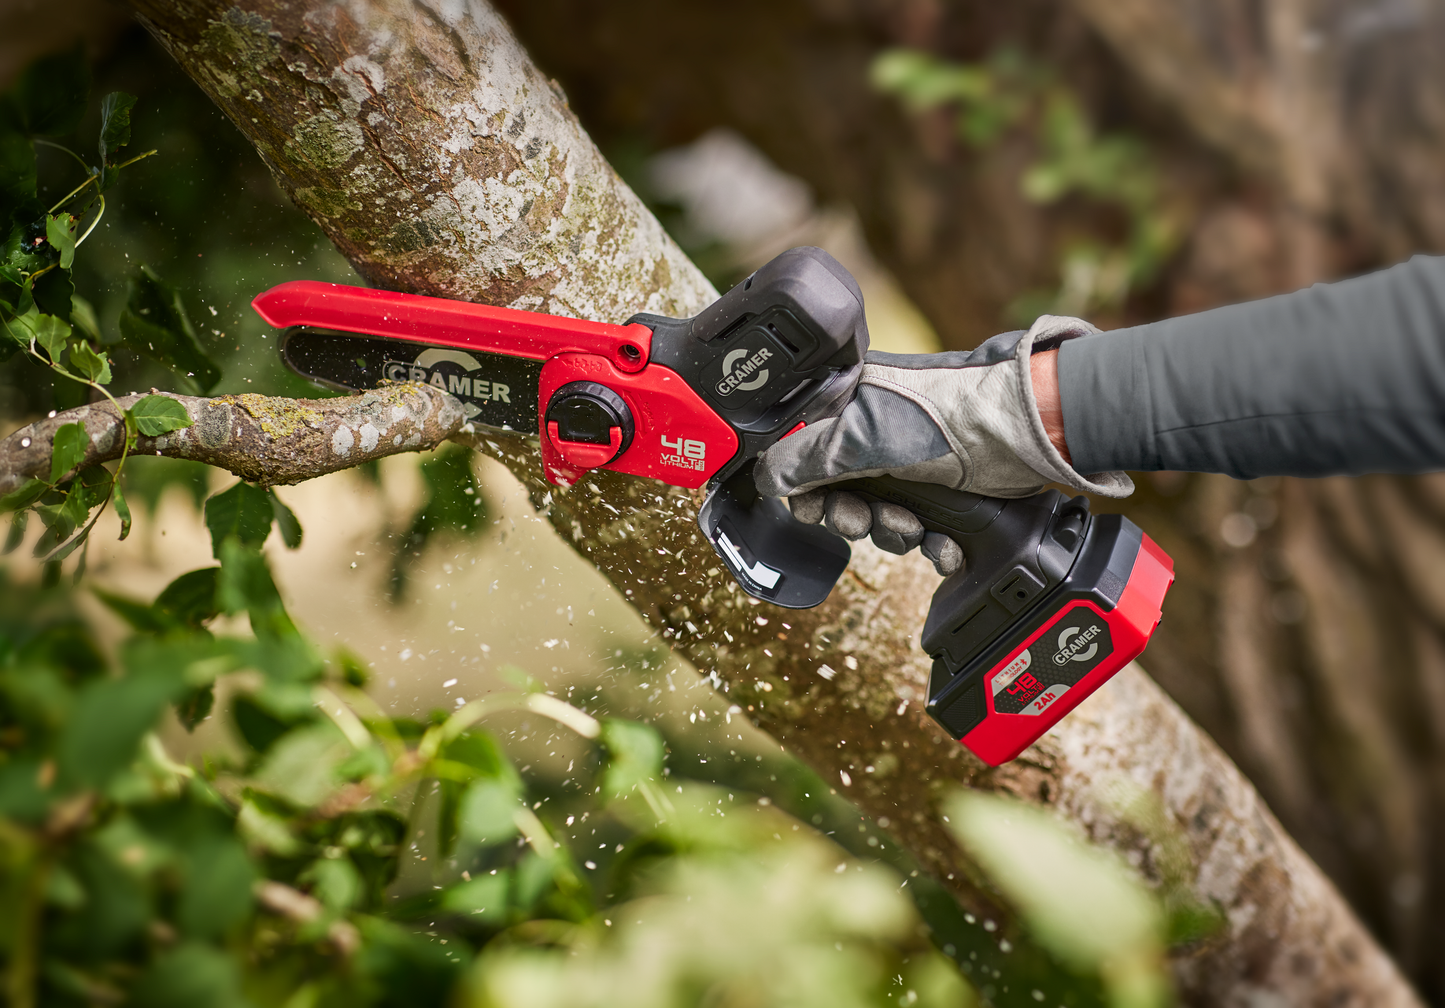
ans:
(997, 696)
(1035, 685)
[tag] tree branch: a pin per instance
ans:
(264, 439)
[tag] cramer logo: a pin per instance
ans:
(743, 374)
(1077, 645)
(469, 386)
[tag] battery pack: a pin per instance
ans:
(1095, 621)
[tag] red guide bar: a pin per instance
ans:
(444, 322)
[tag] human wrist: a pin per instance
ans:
(1044, 372)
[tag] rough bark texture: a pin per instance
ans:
(1303, 140)
(423, 141)
(264, 439)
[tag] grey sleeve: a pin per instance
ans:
(1342, 378)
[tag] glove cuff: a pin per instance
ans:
(1040, 453)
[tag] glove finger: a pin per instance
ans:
(895, 529)
(947, 555)
(808, 507)
(847, 515)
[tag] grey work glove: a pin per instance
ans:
(966, 420)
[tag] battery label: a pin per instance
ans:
(1033, 680)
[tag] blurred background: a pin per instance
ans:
(974, 165)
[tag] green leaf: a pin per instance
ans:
(257, 726)
(1080, 902)
(335, 882)
(53, 292)
(16, 535)
(191, 598)
(52, 93)
(59, 231)
(195, 706)
(83, 317)
(286, 523)
(243, 512)
(157, 414)
(24, 495)
(61, 520)
(483, 898)
(154, 323)
(301, 766)
(68, 449)
(50, 332)
(86, 362)
(635, 752)
(217, 893)
(122, 510)
(114, 127)
(140, 616)
(485, 814)
(107, 723)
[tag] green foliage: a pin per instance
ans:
(1010, 93)
(43, 319)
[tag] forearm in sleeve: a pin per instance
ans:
(1341, 378)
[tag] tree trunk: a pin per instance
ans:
(426, 145)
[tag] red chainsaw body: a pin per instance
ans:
(678, 438)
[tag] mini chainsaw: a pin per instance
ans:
(1050, 603)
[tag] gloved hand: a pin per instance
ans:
(966, 420)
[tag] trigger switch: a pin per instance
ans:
(588, 424)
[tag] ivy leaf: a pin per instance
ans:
(68, 449)
(157, 414)
(114, 133)
(59, 232)
(243, 512)
(92, 365)
(52, 93)
(23, 496)
(50, 332)
(154, 323)
(286, 523)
